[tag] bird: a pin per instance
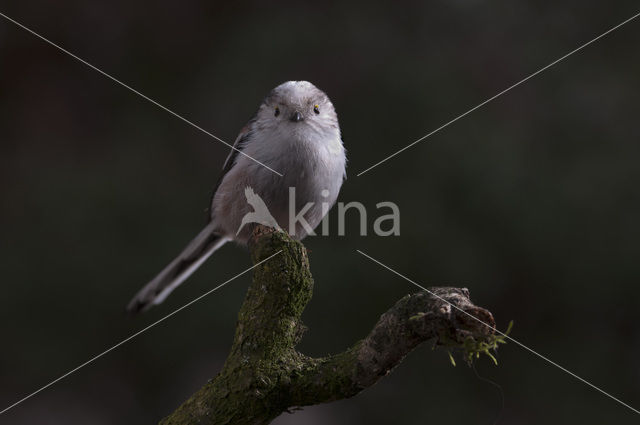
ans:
(292, 144)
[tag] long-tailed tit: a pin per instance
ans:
(296, 133)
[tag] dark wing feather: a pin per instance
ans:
(241, 141)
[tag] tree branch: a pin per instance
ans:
(412, 320)
(264, 375)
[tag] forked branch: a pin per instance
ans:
(264, 375)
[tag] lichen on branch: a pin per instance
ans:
(264, 375)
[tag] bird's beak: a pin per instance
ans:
(296, 116)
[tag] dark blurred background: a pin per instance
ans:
(531, 202)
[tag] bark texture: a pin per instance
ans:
(264, 375)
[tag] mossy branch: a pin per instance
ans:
(264, 375)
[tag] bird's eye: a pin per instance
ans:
(316, 109)
(277, 112)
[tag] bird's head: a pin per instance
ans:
(297, 106)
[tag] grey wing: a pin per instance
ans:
(238, 145)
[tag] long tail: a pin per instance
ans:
(192, 257)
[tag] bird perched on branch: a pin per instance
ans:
(291, 145)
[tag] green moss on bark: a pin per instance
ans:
(264, 375)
